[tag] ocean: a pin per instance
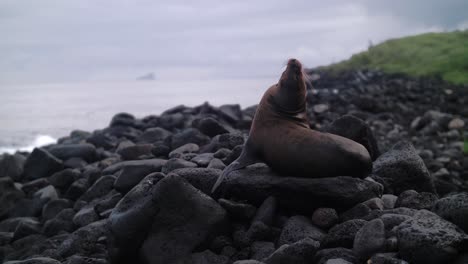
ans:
(33, 115)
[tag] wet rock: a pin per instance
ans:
(297, 228)
(133, 172)
(31, 187)
(76, 259)
(40, 163)
(300, 252)
(5, 238)
(261, 250)
(26, 228)
(342, 235)
(389, 201)
(12, 166)
(201, 178)
(85, 216)
(374, 203)
(83, 241)
(76, 189)
(189, 135)
(325, 217)
(108, 203)
(337, 261)
(47, 193)
(134, 152)
(100, 188)
(454, 208)
(248, 261)
(216, 164)
(386, 258)
(236, 210)
(184, 149)
(392, 220)
(369, 239)
(266, 212)
(210, 126)
(153, 135)
(355, 129)
(402, 169)
(63, 179)
(9, 197)
(38, 260)
(415, 200)
(203, 159)
(84, 151)
(131, 219)
(228, 141)
(322, 256)
(427, 238)
(302, 194)
(186, 216)
(360, 211)
(122, 119)
(53, 207)
(61, 222)
(176, 163)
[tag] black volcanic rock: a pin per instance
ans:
(66, 151)
(186, 219)
(131, 219)
(454, 208)
(12, 166)
(303, 194)
(427, 238)
(402, 169)
(356, 129)
(40, 163)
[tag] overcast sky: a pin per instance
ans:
(94, 40)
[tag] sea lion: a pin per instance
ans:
(280, 136)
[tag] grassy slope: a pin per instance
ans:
(442, 54)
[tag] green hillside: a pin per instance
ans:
(441, 54)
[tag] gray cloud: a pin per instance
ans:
(55, 41)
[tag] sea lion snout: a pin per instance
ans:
(294, 65)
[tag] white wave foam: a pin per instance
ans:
(39, 141)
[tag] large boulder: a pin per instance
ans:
(342, 235)
(402, 169)
(40, 163)
(85, 151)
(454, 208)
(131, 218)
(299, 227)
(427, 238)
(9, 197)
(369, 239)
(300, 252)
(132, 172)
(351, 127)
(186, 219)
(12, 166)
(255, 184)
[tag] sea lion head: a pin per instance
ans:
(292, 87)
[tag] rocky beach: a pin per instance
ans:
(139, 190)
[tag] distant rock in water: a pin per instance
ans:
(147, 77)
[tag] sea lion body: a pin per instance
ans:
(280, 136)
(290, 147)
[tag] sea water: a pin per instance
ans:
(33, 115)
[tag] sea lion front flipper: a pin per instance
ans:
(245, 159)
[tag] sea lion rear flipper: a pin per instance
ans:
(245, 159)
